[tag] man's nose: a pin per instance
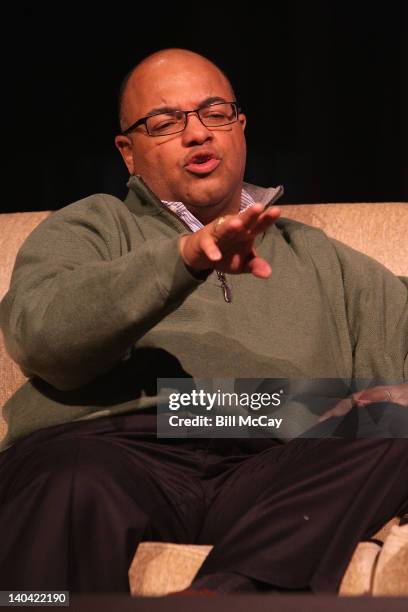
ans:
(195, 131)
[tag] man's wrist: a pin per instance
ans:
(199, 274)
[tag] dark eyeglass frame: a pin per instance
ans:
(196, 111)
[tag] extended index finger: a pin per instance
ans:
(251, 215)
(253, 220)
(256, 219)
(266, 219)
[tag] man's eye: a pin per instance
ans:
(165, 124)
(215, 116)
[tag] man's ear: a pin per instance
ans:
(125, 147)
(242, 120)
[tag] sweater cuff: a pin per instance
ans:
(200, 275)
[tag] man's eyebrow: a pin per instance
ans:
(170, 109)
(212, 100)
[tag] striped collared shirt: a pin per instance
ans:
(193, 223)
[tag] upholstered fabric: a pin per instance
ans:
(391, 572)
(377, 229)
(14, 228)
(159, 568)
(359, 575)
(379, 571)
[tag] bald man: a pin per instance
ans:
(193, 275)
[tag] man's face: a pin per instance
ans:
(165, 162)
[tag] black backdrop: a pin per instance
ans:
(323, 84)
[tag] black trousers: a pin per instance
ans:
(76, 499)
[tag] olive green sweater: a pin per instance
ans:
(101, 305)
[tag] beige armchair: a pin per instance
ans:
(377, 229)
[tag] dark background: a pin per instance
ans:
(323, 85)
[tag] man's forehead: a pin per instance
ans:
(174, 80)
(173, 85)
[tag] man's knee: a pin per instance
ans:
(68, 467)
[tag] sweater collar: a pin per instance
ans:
(141, 200)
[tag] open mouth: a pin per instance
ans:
(203, 164)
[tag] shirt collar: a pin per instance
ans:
(193, 223)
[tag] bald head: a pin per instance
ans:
(151, 68)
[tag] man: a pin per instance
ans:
(107, 296)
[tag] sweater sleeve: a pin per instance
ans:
(84, 289)
(377, 311)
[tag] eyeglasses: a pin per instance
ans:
(163, 124)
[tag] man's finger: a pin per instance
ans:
(258, 266)
(253, 221)
(210, 249)
(342, 408)
(251, 215)
(225, 227)
(258, 223)
(266, 220)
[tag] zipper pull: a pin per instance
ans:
(226, 289)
